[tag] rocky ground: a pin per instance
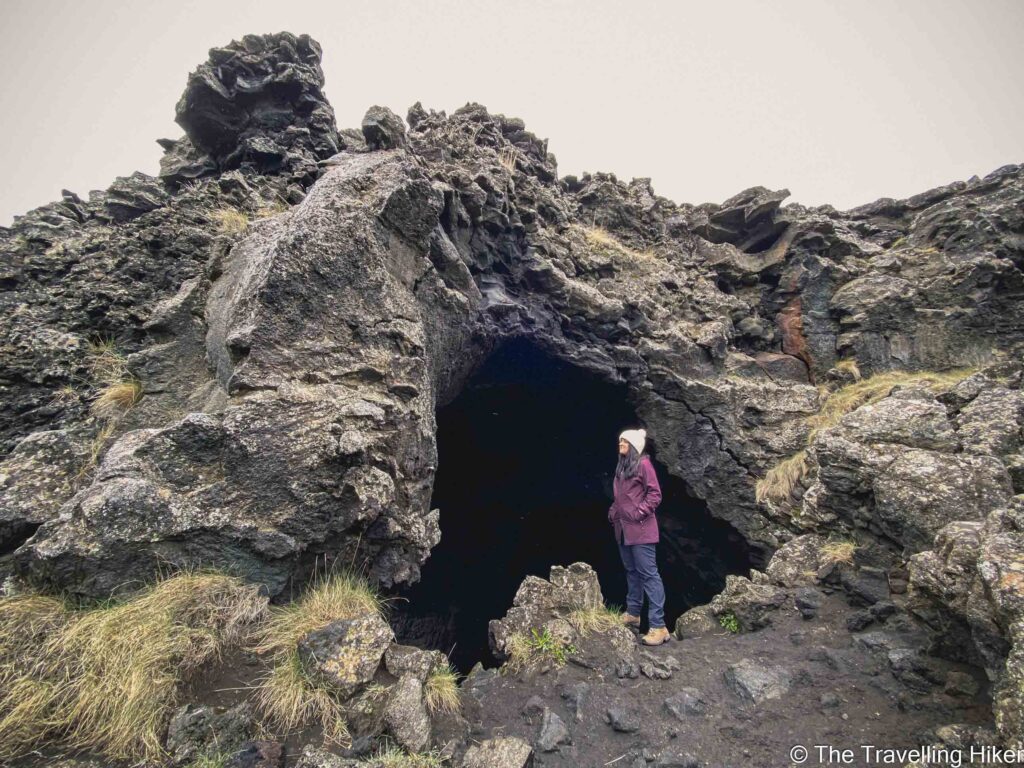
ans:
(238, 363)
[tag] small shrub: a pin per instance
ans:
(729, 621)
(441, 691)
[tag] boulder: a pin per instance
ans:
(757, 682)
(405, 714)
(505, 752)
(347, 653)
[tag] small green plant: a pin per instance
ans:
(529, 650)
(729, 621)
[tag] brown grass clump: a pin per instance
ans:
(288, 696)
(601, 239)
(874, 388)
(587, 620)
(116, 399)
(99, 442)
(442, 689)
(395, 757)
(849, 366)
(839, 550)
(781, 479)
(230, 221)
(108, 678)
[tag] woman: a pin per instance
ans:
(637, 495)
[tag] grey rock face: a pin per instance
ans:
(969, 588)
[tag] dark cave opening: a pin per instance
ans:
(526, 455)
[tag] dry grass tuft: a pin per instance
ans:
(507, 157)
(781, 479)
(602, 240)
(601, 619)
(849, 366)
(99, 442)
(268, 208)
(291, 699)
(107, 678)
(117, 399)
(874, 388)
(839, 550)
(394, 757)
(287, 696)
(442, 692)
(230, 221)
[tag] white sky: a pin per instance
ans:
(840, 102)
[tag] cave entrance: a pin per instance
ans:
(526, 456)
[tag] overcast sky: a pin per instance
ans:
(840, 102)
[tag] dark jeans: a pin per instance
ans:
(642, 576)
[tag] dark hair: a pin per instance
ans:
(629, 464)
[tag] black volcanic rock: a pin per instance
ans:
(256, 103)
(294, 316)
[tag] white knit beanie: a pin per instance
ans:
(635, 437)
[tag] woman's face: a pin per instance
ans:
(623, 447)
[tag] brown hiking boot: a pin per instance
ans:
(656, 636)
(630, 621)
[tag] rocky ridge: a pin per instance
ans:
(293, 303)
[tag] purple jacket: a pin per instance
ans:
(636, 498)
